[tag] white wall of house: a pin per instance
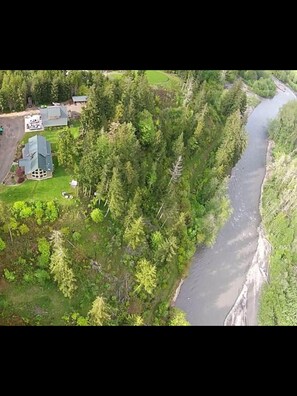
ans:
(39, 174)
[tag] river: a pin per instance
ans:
(217, 274)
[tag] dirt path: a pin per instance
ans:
(19, 114)
(13, 127)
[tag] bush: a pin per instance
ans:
(97, 215)
(24, 229)
(2, 245)
(19, 172)
(42, 276)
(20, 180)
(65, 231)
(51, 211)
(44, 249)
(76, 236)
(29, 277)
(9, 275)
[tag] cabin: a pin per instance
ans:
(37, 159)
(53, 116)
(79, 99)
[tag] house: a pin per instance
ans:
(54, 116)
(37, 158)
(79, 99)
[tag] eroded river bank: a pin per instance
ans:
(220, 277)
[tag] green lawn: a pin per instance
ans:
(43, 189)
(47, 190)
(155, 78)
(52, 134)
(160, 78)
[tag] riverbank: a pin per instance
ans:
(256, 99)
(244, 311)
(218, 274)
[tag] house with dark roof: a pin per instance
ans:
(37, 158)
(79, 99)
(54, 116)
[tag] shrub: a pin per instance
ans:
(19, 172)
(2, 245)
(44, 249)
(24, 229)
(76, 236)
(42, 276)
(9, 275)
(51, 211)
(65, 231)
(20, 179)
(26, 212)
(28, 277)
(97, 215)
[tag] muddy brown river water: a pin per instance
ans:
(217, 274)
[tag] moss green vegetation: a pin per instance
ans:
(279, 212)
(151, 165)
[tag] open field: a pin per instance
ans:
(156, 78)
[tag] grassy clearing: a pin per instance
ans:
(47, 190)
(156, 78)
(160, 78)
(52, 134)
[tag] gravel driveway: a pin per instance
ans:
(13, 131)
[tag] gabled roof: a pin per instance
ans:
(54, 116)
(53, 112)
(81, 98)
(37, 155)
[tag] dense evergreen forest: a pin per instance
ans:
(42, 86)
(151, 165)
(279, 212)
(289, 77)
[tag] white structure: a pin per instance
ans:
(73, 183)
(33, 122)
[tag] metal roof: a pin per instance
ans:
(37, 155)
(54, 116)
(81, 98)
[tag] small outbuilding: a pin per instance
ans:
(79, 99)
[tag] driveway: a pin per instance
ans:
(13, 131)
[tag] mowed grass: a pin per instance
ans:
(155, 78)
(32, 190)
(160, 78)
(52, 134)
